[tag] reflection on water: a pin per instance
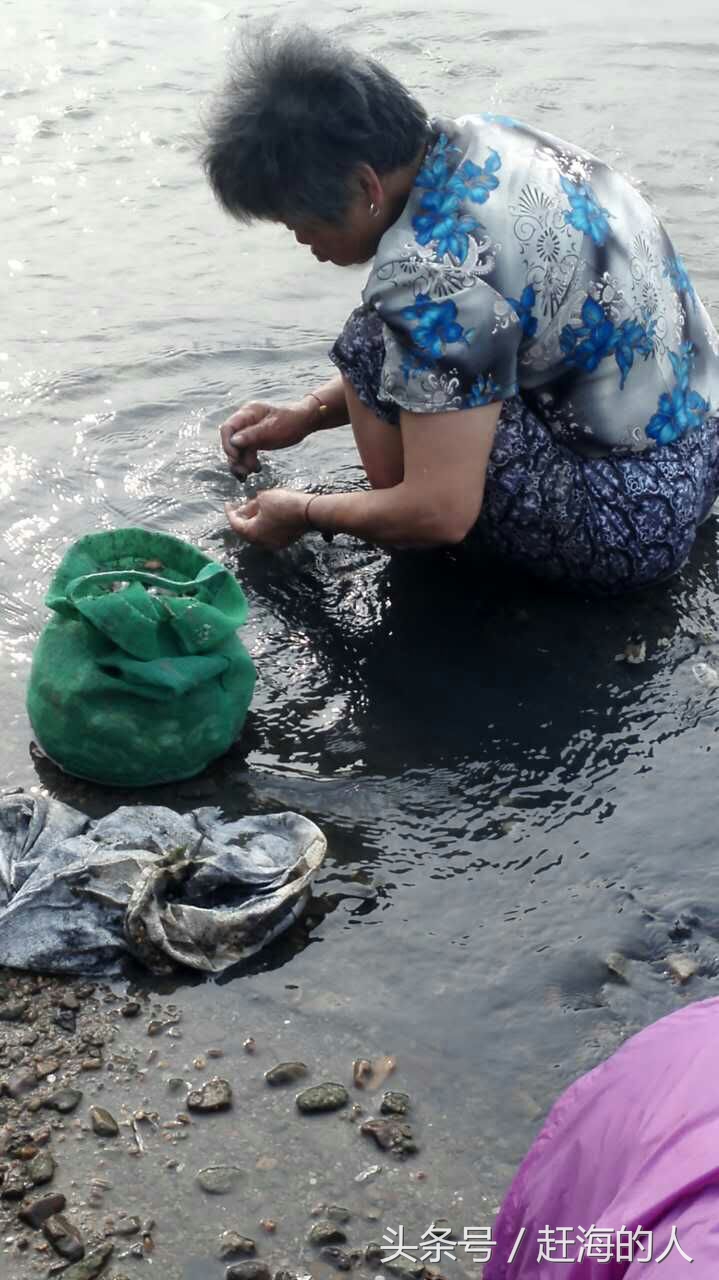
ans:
(506, 803)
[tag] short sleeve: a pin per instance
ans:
(451, 340)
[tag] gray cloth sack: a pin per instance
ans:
(168, 889)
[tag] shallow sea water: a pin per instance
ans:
(506, 804)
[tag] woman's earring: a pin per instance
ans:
(374, 210)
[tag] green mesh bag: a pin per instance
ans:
(140, 677)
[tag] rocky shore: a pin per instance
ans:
(112, 1142)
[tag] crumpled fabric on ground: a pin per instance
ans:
(168, 889)
(630, 1151)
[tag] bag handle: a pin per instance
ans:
(82, 588)
(194, 611)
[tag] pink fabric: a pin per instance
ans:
(633, 1144)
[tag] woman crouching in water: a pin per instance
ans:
(530, 371)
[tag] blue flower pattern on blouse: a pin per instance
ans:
(585, 213)
(441, 221)
(675, 271)
(524, 265)
(523, 309)
(477, 181)
(483, 391)
(435, 324)
(681, 409)
(586, 345)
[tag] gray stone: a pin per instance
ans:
(406, 1268)
(214, 1095)
(250, 1270)
(286, 1073)
(64, 1101)
(327, 1233)
(337, 1213)
(232, 1245)
(15, 1183)
(391, 1135)
(131, 1009)
(323, 1097)
(395, 1104)
(219, 1179)
(13, 1010)
(127, 1227)
(103, 1124)
(337, 1258)
(66, 1020)
(33, 1215)
(20, 1083)
(92, 1265)
(64, 1237)
(41, 1169)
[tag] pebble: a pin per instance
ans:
(269, 1225)
(391, 1135)
(131, 1009)
(214, 1095)
(33, 1215)
(326, 1233)
(20, 1083)
(617, 965)
(232, 1244)
(681, 967)
(250, 1044)
(41, 1169)
(361, 1071)
(64, 1101)
(338, 1258)
(92, 1265)
(286, 1073)
(218, 1180)
(322, 1097)
(407, 1268)
(368, 1174)
(64, 1237)
(14, 1185)
(103, 1124)
(127, 1227)
(337, 1213)
(46, 1067)
(248, 1271)
(13, 1010)
(66, 1020)
(395, 1104)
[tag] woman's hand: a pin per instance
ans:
(264, 426)
(274, 519)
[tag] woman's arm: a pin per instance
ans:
(437, 502)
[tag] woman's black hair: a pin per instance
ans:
(297, 115)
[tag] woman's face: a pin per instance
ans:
(347, 243)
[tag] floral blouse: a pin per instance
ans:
(522, 264)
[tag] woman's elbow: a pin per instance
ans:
(451, 526)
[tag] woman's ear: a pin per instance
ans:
(370, 186)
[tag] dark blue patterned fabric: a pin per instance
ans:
(612, 524)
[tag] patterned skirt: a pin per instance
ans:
(610, 524)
